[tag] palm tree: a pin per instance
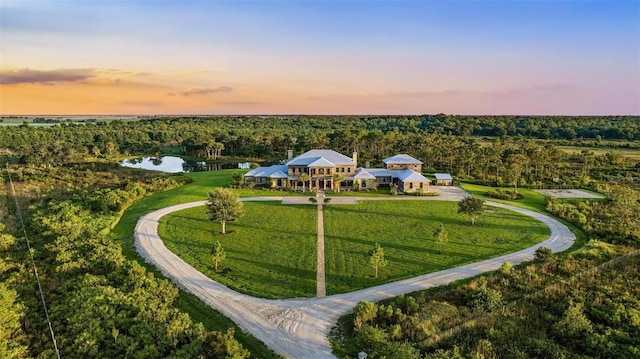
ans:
(304, 178)
(337, 179)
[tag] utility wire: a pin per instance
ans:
(33, 262)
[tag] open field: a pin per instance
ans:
(271, 255)
(271, 252)
(632, 153)
(405, 232)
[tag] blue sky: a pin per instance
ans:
(466, 57)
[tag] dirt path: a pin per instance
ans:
(298, 328)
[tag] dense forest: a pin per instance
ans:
(71, 190)
(440, 141)
(102, 305)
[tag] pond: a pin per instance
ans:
(173, 164)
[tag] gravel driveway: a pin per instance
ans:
(298, 328)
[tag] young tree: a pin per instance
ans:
(472, 206)
(441, 237)
(217, 253)
(337, 179)
(224, 205)
(377, 257)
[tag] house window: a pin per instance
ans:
(321, 171)
(349, 169)
(364, 184)
(313, 171)
(410, 185)
(329, 171)
(421, 185)
(342, 169)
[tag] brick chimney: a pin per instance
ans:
(289, 155)
(355, 159)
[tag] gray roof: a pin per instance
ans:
(278, 174)
(402, 159)
(363, 174)
(309, 157)
(321, 162)
(443, 176)
(267, 171)
(382, 172)
(411, 175)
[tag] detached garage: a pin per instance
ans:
(444, 179)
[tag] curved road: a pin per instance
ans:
(298, 328)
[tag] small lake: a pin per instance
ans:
(173, 164)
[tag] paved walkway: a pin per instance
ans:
(298, 328)
(321, 287)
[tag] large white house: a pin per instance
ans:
(320, 167)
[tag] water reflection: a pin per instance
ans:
(173, 164)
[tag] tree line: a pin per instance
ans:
(512, 161)
(272, 136)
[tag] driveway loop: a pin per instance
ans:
(299, 327)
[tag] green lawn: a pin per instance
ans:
(405, 232)
(271, 252)
(271, 255)
(534, 201)
(531, 199)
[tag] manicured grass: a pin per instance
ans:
(271, 255)
(405, 232)
(531, 199)
(271, 252)
(534, 201)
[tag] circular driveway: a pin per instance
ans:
(299, 328)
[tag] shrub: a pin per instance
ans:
(504, 194)
(364, 312)
(486, 299)
(543, 254)
(420, 193)
(506, 267)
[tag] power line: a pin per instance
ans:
(33, 263)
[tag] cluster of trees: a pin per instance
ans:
(615, 220)
(100, 304)
(582, 305)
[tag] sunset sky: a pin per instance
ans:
(320, 57)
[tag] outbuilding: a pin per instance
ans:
(444, 179)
